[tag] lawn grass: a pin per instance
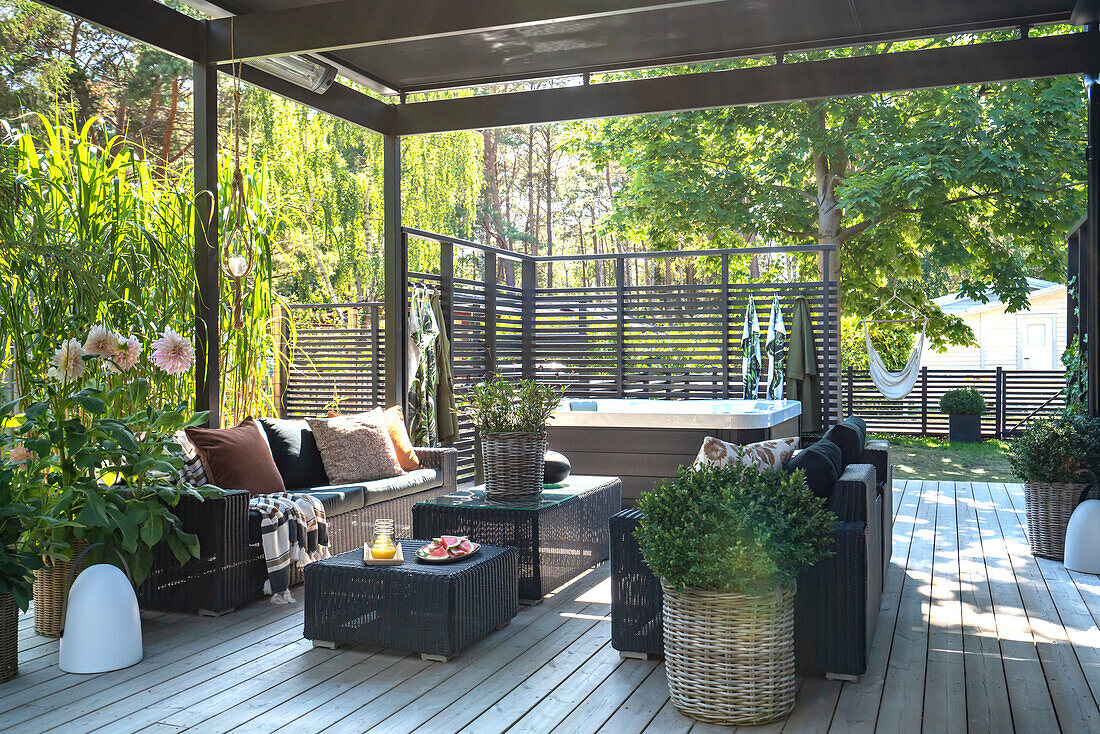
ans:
(924, 457)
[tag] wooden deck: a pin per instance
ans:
(974, 635)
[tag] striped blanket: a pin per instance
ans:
(293, 530)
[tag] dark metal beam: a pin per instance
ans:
(1091, 243)
(142, 20)
(1085, 12)
(1072, 53)
(339, 101)
(355, 24)
(207, 250)
(396, 257)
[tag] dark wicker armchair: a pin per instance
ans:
(838, 599)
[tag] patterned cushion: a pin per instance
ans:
(356, 448)
(771, 454)
(193, 473)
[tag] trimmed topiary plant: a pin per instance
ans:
(962, 401)
(964, 407)
(728, 543)
(733, 528)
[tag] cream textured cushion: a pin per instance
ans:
(356, 448)
(771, 454)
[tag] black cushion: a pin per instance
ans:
(822, 464)
(860, 425)
(295, 452)
(850, 441)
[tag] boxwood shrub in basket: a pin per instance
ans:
(1065, 448)
(962, 401)
(734, 528)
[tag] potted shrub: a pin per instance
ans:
(17, 561)
(1055, 458)
(727, 544)
(964, 408)
(511, 416)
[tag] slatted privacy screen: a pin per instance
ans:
(336, 359)
(1011, 396)
(576, 340)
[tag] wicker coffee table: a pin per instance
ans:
(435, 610)
(558, 536)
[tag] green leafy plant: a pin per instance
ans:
(733, 528)
(18, 561)
(962, 401)
(502, 406)
(1065, 448)
(99, 459)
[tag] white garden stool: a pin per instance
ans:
(1083, 538)
(101, 623)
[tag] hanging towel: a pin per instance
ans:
(422, 416)
(803, 381)
(750, 353)
(893, 385)
(446, 410)
(776, 348)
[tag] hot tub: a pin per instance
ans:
(646, 441)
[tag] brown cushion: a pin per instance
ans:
(399, 435)
(237, 458)
(356, 448)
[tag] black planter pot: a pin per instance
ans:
(965, 428)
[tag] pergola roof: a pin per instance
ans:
(457, 44)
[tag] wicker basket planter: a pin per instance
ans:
(1049, 506)
(49, 593)
(729, 657)
(514, 464)
(9, 637)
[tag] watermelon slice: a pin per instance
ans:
(466, 546)
(437, 551)
(450, 541)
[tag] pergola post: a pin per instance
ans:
(396, 254)
(207, 259)
(1091, 243)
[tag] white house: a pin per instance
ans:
(1026, 340)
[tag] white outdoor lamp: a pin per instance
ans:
(101, 623)
(1083, 538)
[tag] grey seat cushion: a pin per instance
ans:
(338, 498)
(417, 480)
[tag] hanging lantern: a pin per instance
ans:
(238, 253)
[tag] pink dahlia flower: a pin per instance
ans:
(129, 351)
(21, 455)
(101, 342)
(173, 353)
(68, 365)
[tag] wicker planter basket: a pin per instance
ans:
(514, 464)
(49, 593)
(729, 657)
(1049, 506)
(9, 637)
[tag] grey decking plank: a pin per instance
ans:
(987, 702)
(944, 682)
(1073, 702)
(669, 721)
(858, 706)
(635, 713)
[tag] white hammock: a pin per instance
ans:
(894, 385)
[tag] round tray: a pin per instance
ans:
(448, 559)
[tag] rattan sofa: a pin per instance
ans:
(231, 570)
(838, 599)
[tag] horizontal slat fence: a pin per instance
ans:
(1011, 396)
(336, 359)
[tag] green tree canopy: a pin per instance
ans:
(983, 182)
